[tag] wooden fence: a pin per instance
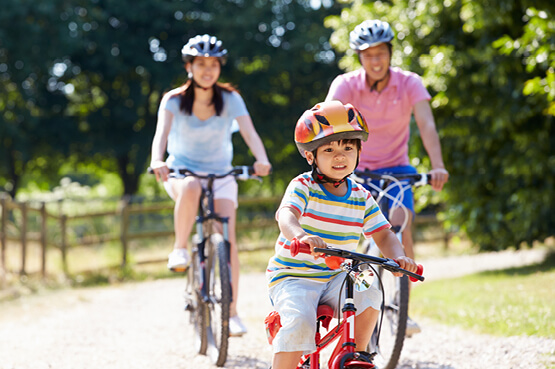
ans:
(18, 231)
(54, 227)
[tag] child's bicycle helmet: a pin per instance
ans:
(204, 45)
(370, 33)
(326, 122)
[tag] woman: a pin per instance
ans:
(195, 125)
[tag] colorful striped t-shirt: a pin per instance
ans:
(339, 221)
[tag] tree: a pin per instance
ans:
(127, 59)
(34, 131)
(491, 77)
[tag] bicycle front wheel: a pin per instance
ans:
(219, 282)
(394, 325)
(194, 304)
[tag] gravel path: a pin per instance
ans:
(142, 325)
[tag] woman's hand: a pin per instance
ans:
(262, 168)
(160, 168)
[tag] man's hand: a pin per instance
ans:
(439, 178)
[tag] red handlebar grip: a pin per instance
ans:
(419, 271)
(294, 249)
(298, 246)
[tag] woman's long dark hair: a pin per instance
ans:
(187, 96)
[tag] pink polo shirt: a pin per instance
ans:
(387, 113)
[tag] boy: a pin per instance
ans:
(323, 208)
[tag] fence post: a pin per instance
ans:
(124, 214)
(43, 238)
(3, 230)
(63, 225)
(63, 246)
(23, 236)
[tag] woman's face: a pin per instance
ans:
(205, 70)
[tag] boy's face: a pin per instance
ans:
(336, 160)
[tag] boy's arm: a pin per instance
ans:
(393, 249)
(288, 221)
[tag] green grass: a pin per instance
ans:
(516, 301)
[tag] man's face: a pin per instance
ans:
(375, 61)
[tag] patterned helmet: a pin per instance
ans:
(326, 122)
(370, 33)
(204, 45)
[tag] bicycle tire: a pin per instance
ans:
(392, 335)
(219, 282)
(195, 305)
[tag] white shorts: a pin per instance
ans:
(224, 188)
(297, 300)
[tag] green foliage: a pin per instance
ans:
(90, 75)
(491, 77)
(509, 302)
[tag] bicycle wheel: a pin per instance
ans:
(219, 282)
(194, 304)
(394, 325)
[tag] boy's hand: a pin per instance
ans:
(314, 241)
(407, 264)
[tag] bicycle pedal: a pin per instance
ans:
(188, 306)
(179, 270)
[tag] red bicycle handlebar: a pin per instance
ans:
(334, 262)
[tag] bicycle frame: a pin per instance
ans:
(344, 332)
(206, 226)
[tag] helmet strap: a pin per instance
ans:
(322, 178)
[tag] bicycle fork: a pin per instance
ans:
(201, 244)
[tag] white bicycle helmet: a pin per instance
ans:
(204, 45)
(370, 33)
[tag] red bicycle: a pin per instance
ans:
(360, 275)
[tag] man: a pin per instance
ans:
(387, 97)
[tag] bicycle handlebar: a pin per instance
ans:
(417, 179)
(242, 172)
(334, 258)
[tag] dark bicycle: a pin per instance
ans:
(389, 343)
(208, 293)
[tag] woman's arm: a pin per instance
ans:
(262, 165)
(159, 144)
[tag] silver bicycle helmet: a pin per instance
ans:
(203, 45)
(370, 33)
